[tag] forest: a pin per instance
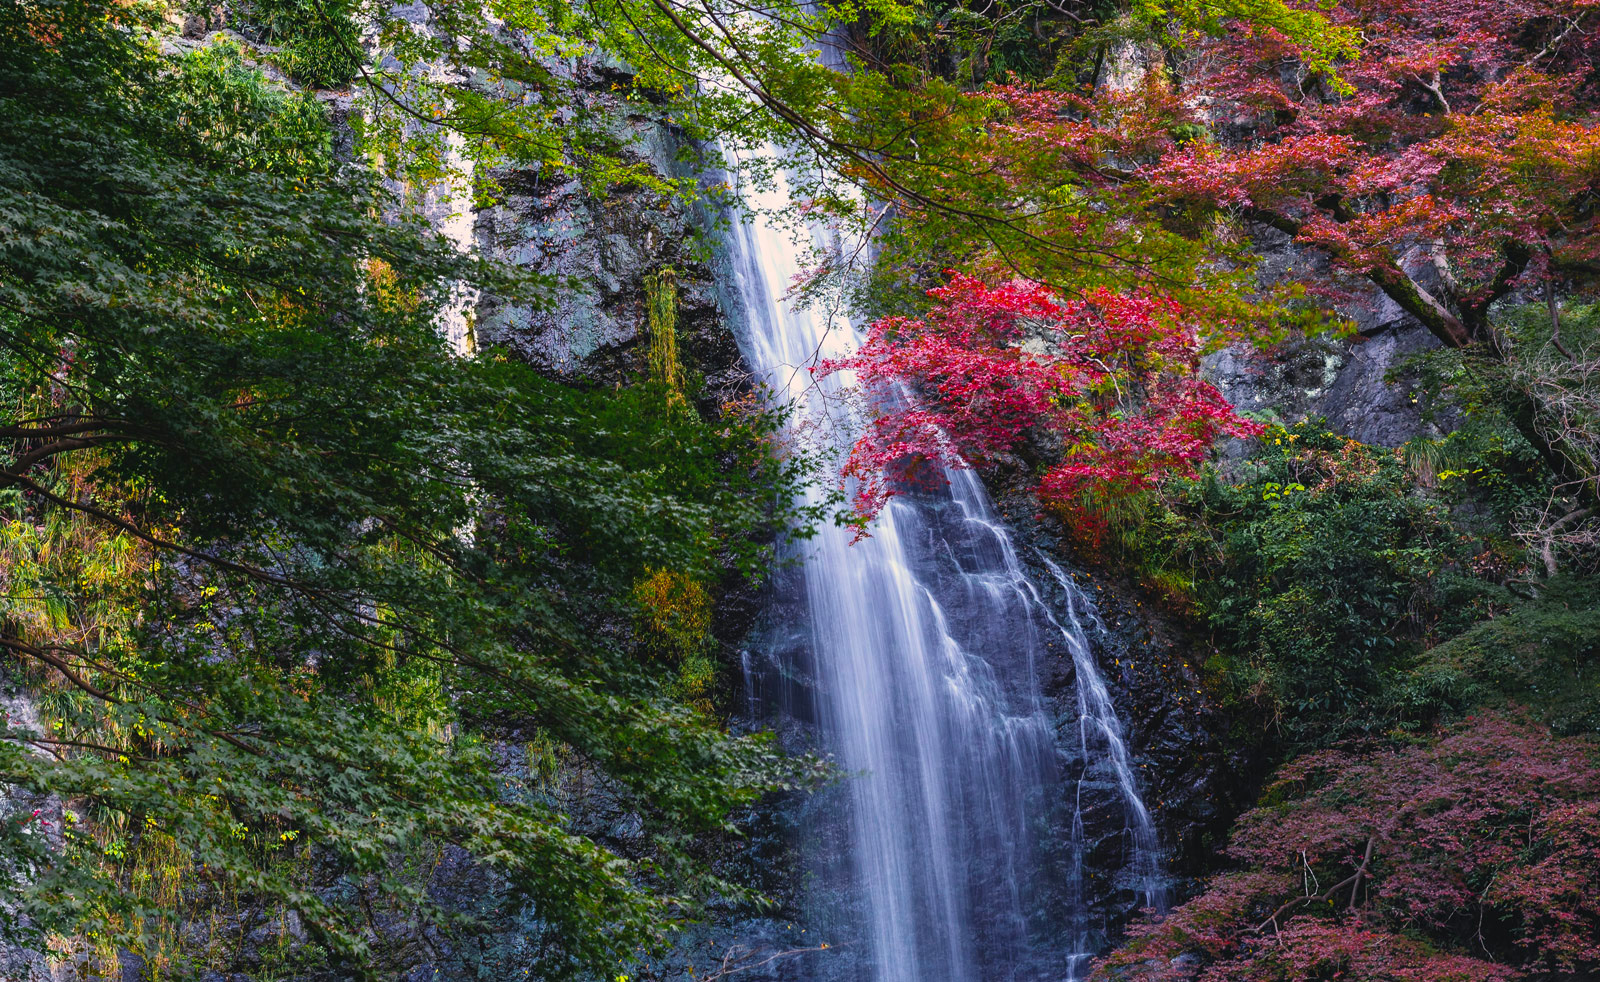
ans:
(800, 490)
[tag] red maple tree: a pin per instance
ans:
(1471, 857)
(1109, 381)
(1454, 161)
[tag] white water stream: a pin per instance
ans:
(971, 815)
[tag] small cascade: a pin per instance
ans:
(1104, 754)
(925, 647)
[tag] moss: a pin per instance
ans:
(697, 679)
(661, 294)
(1544, 654)
(674, 613)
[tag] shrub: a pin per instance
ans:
(1321, 568)
(1468, 856)
(1543, 654)
(319, 44)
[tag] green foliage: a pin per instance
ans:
(674, 621)
(970, 46)
(479, 89)
(237, 119)
(1322, 568)
(288, 574)
(1545, 383)
(320, 60)
(519, 108)
(1544, 654)
(1302, 25)
(1554, 359)
(1487, 461)
(319, 44)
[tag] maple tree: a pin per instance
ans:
(1450, 164)
(979, 179)
(1441, 154)
(1111, 379)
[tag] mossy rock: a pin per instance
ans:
(1544, 654)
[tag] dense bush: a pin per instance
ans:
(1544, 654)
(318, 43)
(1356, 591)
(1554, 356)
(1321, 567)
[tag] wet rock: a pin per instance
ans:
(1195, 774)
(195, 21)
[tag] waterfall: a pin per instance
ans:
(926, 644)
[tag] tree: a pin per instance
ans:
(289, 577)
(1447, 160)
(1452, 163)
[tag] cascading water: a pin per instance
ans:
(1103, 757)
(925, 644)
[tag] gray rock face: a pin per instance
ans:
(595, 330)
(601, 249)
(1360, 384)
(1347, 381)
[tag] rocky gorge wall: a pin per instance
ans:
(595, 331)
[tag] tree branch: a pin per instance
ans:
(1353, 881)
(59, 664)
(1396, 284)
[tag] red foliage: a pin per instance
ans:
(1110, 380)
(1464, 127)
(1313, 950)
(1486, 842)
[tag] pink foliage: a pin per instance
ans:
(1464, 128)
(1464, 138)
(1315, 950)
(1485, 842)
